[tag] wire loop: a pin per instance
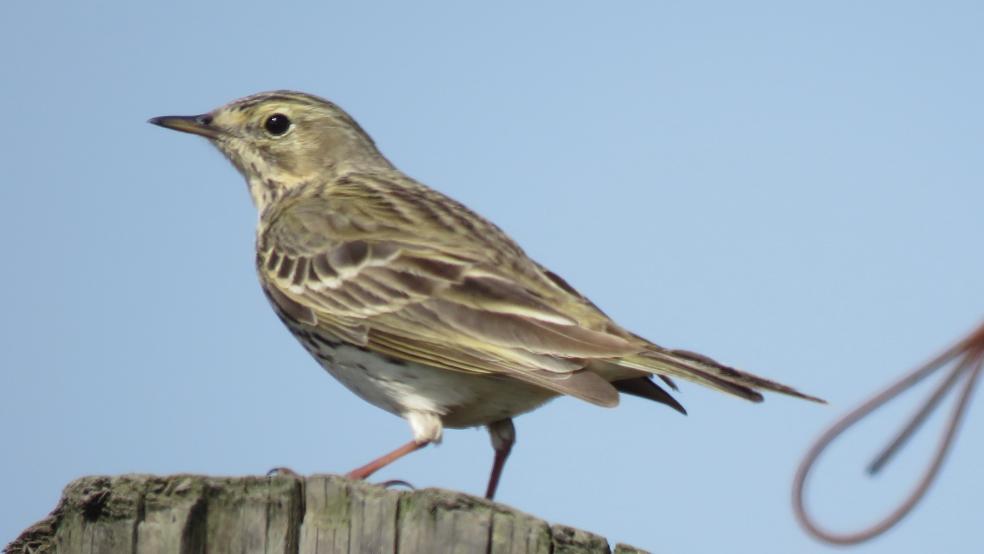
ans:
(968, 360)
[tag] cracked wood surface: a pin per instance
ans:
(284, 514)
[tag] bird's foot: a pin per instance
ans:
(398, 483)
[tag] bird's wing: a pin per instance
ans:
(441, 298)
(410, 273)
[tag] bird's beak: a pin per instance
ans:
(194, 124)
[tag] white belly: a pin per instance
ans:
(459, 399)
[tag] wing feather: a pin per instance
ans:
(407, 272)
(444, 304)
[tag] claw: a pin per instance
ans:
(398, 483)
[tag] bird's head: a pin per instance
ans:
(279, 140)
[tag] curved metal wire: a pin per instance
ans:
(968, 355)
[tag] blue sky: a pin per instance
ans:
(793, 189)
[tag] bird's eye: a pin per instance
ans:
(277, 124)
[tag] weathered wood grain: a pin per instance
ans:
(323, 514)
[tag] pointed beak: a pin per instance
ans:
(194, 124)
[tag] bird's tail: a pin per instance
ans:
(705, 371)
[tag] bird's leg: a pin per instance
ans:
(503, 436)
(386, 459)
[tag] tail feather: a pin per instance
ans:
(705, 371)
(645, 387)
(669, 382)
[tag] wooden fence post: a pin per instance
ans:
(324, 514)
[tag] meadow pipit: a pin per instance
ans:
(414, 302)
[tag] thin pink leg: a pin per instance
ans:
(385, 460)
(503, 437)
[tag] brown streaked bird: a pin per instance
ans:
(414, 302)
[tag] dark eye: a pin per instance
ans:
(277, 124)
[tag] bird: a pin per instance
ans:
(413, 301)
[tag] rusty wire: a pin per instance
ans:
(965, 360)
